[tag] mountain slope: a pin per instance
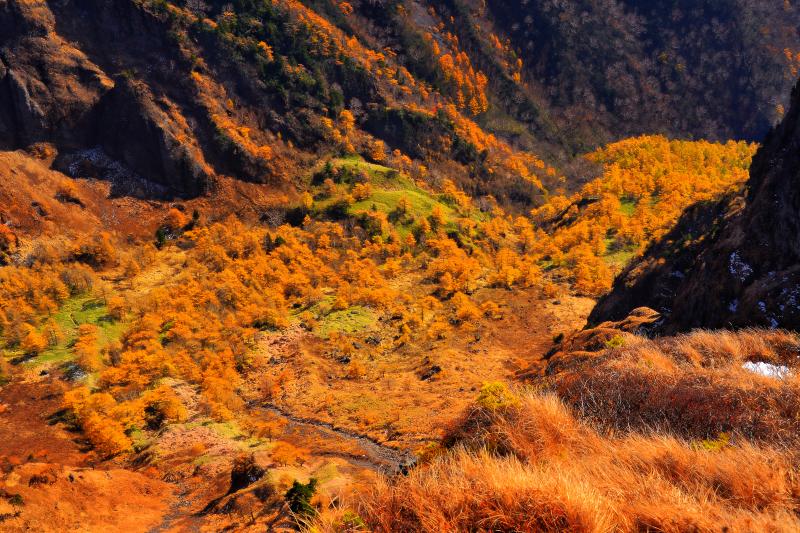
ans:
(499, 97)
(180, 95)
(304, 235)
(626, 67)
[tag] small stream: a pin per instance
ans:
(375, 456)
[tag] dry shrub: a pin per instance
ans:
(556, 473)
(634, 460)
(477, 491)
(175, 219)
(43, 151)
(8, 240)
(286, 454)
(268, 429)
(97, 251)
(197, 449)
(116, 307)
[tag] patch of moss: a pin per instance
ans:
(627, 207)
(326, 472)
(355, 319)
(714, 445)
(617, 341)
(361, 402)
(616, 256)
(495, 396)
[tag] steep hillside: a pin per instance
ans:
(498, 97)
(178, 95)
(646, 184)
(744, 251)
(258, 258)
(177, 340)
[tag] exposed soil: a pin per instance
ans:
(59, 498)
(407, 396)
(47, 483)
(25, 433)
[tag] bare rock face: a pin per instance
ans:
(47, 87)
(51, 91)
(745, 270)
(164, 145)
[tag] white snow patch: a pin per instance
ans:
(767, 369)
(738, 268)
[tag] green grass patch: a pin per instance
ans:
(628, 207)
(140, 439)
(384, 200)
(617, 257)
(74, 313)
(232, 431)
(501, 123)
(318, 309)
(228, 430)
(352, 320)
(203, 460)
(389, 186)
(377, 173)
(326, 472)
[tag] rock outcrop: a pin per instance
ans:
(48, 88)
(51, 91)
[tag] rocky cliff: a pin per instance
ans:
(733, 264)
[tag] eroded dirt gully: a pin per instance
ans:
(49, 482)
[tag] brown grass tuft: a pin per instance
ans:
(668, 435)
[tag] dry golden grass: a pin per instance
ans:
(667, 435)
(537, 468)
(692, 385)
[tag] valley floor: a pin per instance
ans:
(342, 431)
